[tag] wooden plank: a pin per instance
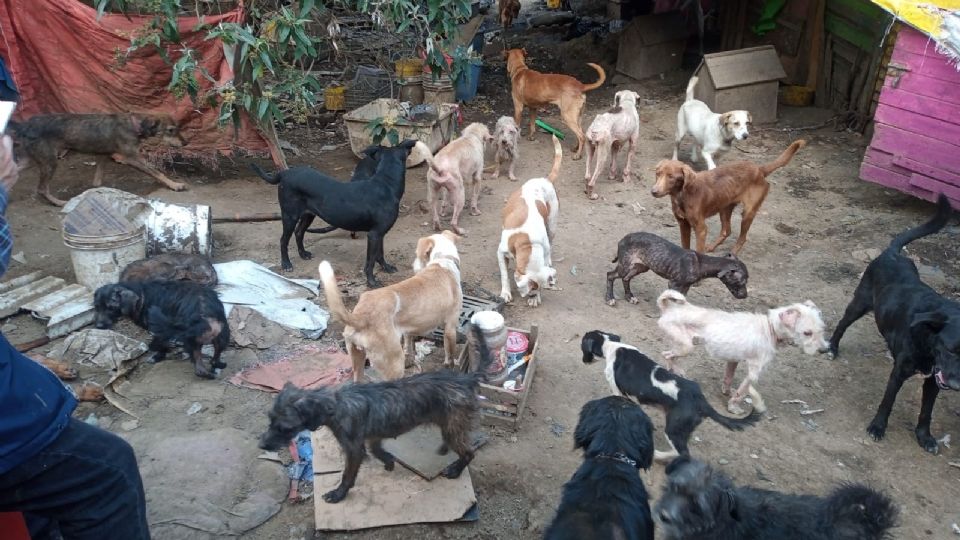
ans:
(926, 106)
(914, 41)
(937, 153)
(922, 87)
(938, 122)
(846, 31)
(935, 186)
(932, 66)
(858, 10)
(906, 166)
(890, 179)
(528, 378)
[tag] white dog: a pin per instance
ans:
(734, 337)
(506, 136)
(455, 164)
(607, 135)
(713, 132)
(529, 223)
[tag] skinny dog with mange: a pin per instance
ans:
(368, 413)
(172, 311)
(606, 499)
(172, 267)
(631, 373)
(699, 503)
(921, 327)
(45, 136)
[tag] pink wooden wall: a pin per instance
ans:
(916, 141)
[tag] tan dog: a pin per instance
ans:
(509, 9)
(529, 223)
(384, 320)
(506, 136)
(455, 164)
(534, 89)
(608, 134)
(697, 196)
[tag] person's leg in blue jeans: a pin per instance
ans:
(86, 481)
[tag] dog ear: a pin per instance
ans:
(148, 126)
(637, 430)
(506, 53)
(724, 120)
(407, 144)
(688, 175)
(587, 424)
(789, 317)
(810, 304)
(749, 118)
(586, 347)
(452, 236)
(425, 248)
(932, 320)
(616, 100)
(524, 52)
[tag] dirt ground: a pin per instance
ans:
(806, 244)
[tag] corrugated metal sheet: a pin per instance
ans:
(65, 307)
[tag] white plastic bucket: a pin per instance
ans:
(98, 260)
(177, 228)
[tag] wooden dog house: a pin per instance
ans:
(651, 45)
(743, 79)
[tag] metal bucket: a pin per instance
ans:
(176, 228)
(98, 260)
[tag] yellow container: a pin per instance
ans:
(334, 98)
(553, 4)
(408, 67)
(797, 96)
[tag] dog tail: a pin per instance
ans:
(857, 511)
(690, 86)
(937, 222)
(669, 297)
(427, 155)
(557, 158)
(484, 358)
(332, 292)
(784, 158)
(271, 179)
(733, 424)
(595, 85)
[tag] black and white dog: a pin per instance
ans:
(630, 372)
(921, 327)
(700, 504)
(605, 498)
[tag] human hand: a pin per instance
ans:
(9, 172)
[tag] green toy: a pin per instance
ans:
(549, 129)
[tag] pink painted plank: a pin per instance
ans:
(921, 85)
(923, 122)
(935, 186)
(912, 40)
(885, 178)
(924, 105)
(934, 152)
(926, 170)
(933, 67)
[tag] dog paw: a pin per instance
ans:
(513, 178)
(178, 186)
(507, 297)
(611, 302)
(373, 283)
(335, 496)
(453, 471)
(475, 212)
(388, 268)
(305, 255)
(204, 374)
(533, 301)
(219, 364)
(531, 137)
(733, 407)
(725, 389)
(577, 157)
(633, 300)
(443, 450)
(927, 441)
(286, 266)
(388, 465)
(457, 229)
(877, 430)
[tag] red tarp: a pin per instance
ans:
(64, 61)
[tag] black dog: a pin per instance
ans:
(639, 252)
(173, 311)
(605, 498)
(371, 412)
(700, 504)
(365, 169)
(632, 373)
(370, 205)
(922, 328)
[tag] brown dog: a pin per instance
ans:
(534, 89)
(697, 196)
(415, 306)
(172, 267)
(45, 136)
(509, 9)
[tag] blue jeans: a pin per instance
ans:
(85, 483)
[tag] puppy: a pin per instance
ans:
(415, 306)
(736, 336)
(700, 504)
(921, 327)
(45, 136)
(607, 135)
(639, 252)
(361, 413)
(506, 135)
(455, 164)
(172, 267)
(529, 223)
(630, 372)
(605, 498)
(534, 89)
(697, 196)
(712, 132)
(172, 311)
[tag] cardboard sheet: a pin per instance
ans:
(417, 450)
(381, 498)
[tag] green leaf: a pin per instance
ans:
(262, 107)
(284, 35)
(394, 137)
(265, 58)
(257, 72)
(306, 6)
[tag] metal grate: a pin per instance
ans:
(471, 305)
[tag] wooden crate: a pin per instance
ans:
(499, 406)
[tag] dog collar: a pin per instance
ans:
(619, 456)
(455, 260)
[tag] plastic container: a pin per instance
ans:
(410, 89)
(797, 96)
(438, 92)
(467, 83)
(98, 260)
(516, 347)
(177, 228)
(408, 68)
(334, 98)
(553, 4)
(494, 331)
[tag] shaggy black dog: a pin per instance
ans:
(639, 252)
(634, 374)
(605, 498)
(371, 412)
(371, 205)
(700, 504)
(172, 311)
(921, 328)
